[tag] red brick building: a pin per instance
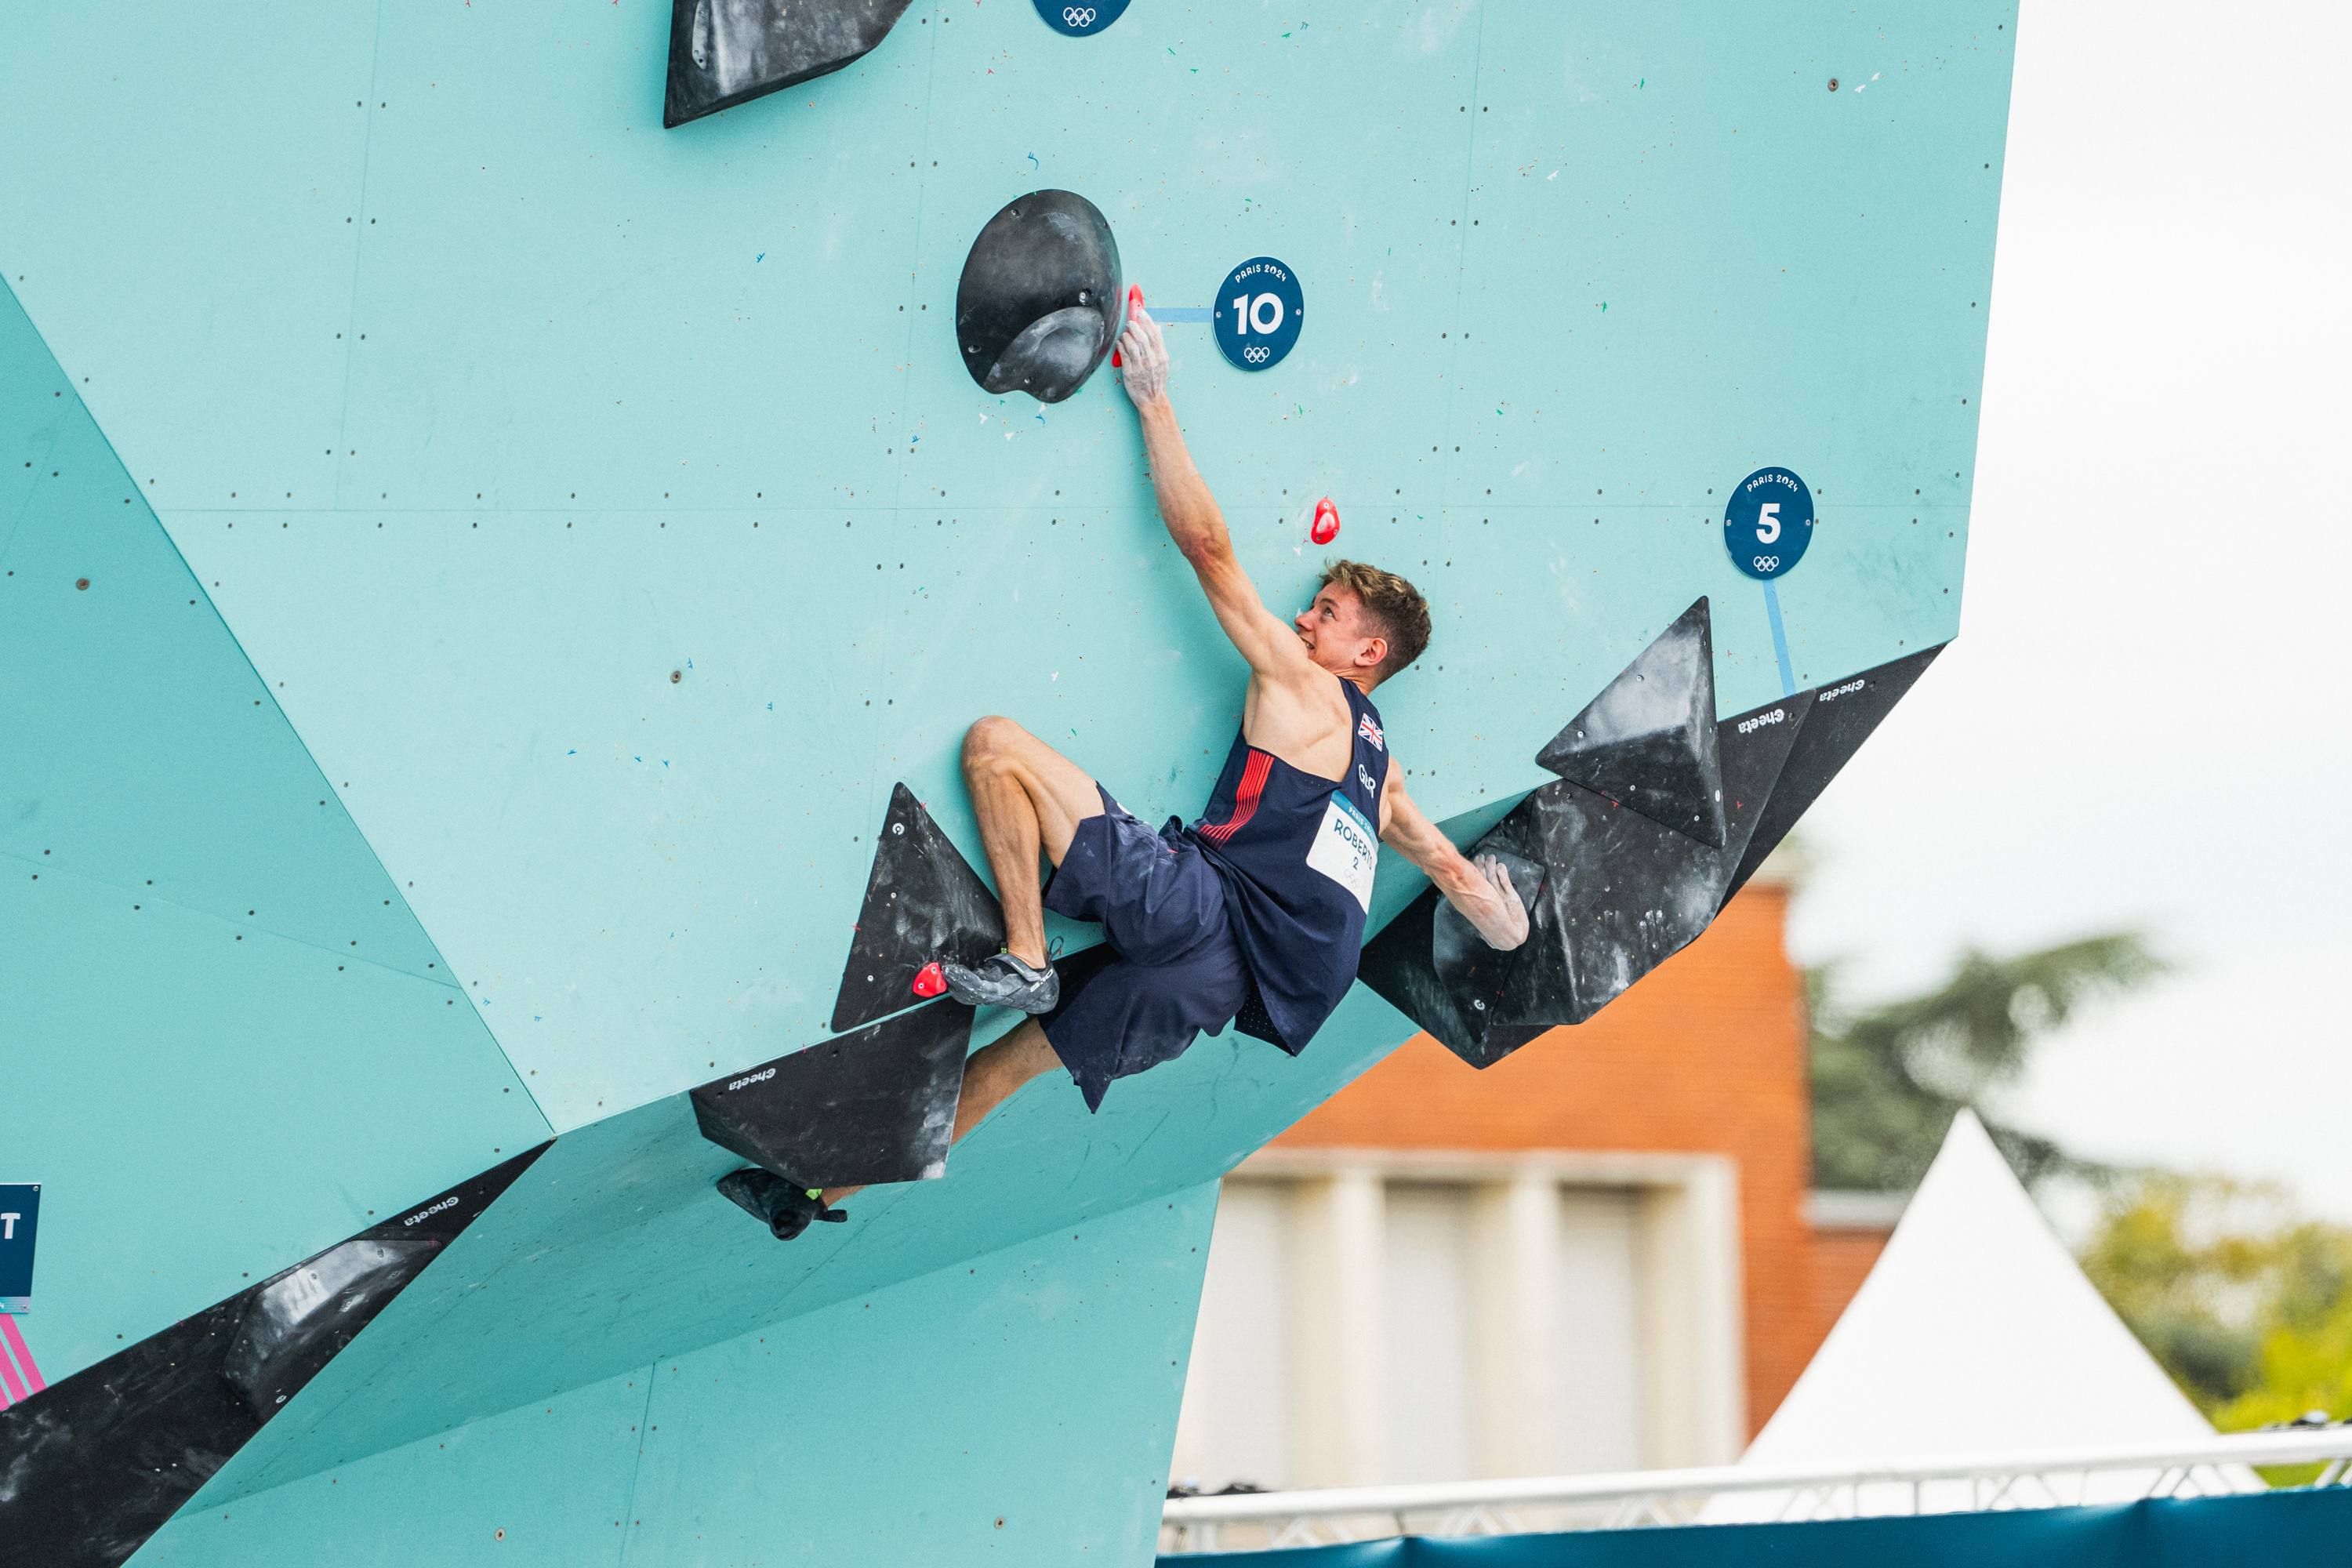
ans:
(1599, 1253)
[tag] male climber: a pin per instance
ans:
(1259, 906)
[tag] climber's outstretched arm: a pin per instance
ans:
(1482, 891)
(1195, 522)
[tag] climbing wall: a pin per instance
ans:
(525, 547)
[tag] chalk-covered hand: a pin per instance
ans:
(1495, 908)
(1143, 358)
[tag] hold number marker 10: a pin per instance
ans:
(1252, 313)
(1258, 313)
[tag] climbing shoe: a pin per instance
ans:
(1001, 980)
(784, 1206)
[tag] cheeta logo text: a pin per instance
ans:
(448, 1202)
(1848, 690)
(755, 1077)
(1749, 726)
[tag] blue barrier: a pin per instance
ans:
(2203, 1533)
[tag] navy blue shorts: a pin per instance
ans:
(1171, 968)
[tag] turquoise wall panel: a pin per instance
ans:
(613, 1250)
(227, 1043)
(205, 1107)
(555, 1477)
(1208, 140)
(184, 188)
(1734, 266)
(140, 736)
(1031, 1401)
(560, 300)
(614, 401)
(1019, 1405)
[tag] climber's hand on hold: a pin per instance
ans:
(1480, 890)
(1493, 907)
(1143, 358)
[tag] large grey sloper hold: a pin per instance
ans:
(1619, 893)
(1622, 885)
(1042, 300)
(726, 52)
(875, 1105)
(1432, 965)
(1648, 740)
(1625, 894)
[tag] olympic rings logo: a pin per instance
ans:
(1077, 18)
(1256, 355)
(1768, 563)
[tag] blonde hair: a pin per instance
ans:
(1395, 607)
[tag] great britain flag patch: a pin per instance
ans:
(1370, 732)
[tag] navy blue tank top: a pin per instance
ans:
(1296, 855)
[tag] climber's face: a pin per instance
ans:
(1339, 635)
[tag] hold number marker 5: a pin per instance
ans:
(1767, 524)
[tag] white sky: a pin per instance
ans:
(2143, 721)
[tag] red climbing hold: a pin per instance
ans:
(928, 981)
(1134, 303)
(1326, 522)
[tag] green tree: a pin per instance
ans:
(1888, 1078)
(2247, 1303)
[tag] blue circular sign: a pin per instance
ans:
(1768, 523)
(1079, 21)
(1257, 313)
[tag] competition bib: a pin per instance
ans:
(1345, 849)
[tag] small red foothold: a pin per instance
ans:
(928, 981)
(1326, 522)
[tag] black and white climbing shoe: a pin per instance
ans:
(784, 1207)
(1001, 980)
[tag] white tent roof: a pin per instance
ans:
(1974, 1334)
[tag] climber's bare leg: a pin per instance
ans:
(1029, 798)
(990, 1077)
